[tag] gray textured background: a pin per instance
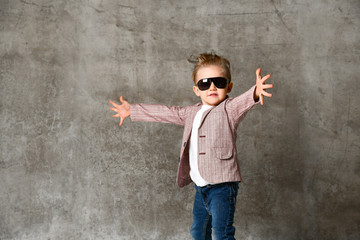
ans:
(67, 171)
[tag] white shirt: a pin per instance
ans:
(193, 151)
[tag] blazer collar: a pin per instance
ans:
(209, 110)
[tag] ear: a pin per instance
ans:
(229, 87)
(196, 90)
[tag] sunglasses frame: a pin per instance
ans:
(212, 81)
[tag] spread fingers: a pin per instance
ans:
(114, 109)
(265, 78)
(266, 94)
(266, 86)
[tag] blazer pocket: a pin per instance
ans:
(224, 153)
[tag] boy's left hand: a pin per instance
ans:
(260, 87)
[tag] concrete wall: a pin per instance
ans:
(67, 171)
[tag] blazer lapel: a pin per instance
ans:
(207, 111)
(188, 126)
(204, 115)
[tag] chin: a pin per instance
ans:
(213, 103)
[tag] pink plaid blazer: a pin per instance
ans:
(217, 155)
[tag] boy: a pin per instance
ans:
(208, 154)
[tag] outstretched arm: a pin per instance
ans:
(123, 110)
(239, 106)
(158, 113)
(260, 87)
(149, 112)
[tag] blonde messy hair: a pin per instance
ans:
(206, 59)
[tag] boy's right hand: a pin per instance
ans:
(123, 110)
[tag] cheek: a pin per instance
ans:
(202, 93)
(223, 91)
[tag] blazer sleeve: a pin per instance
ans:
(158, 113)
(238, 107)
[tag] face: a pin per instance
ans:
(212, 96)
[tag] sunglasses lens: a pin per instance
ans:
(204, 84)
(220, 82)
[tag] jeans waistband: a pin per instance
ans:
(219, 184)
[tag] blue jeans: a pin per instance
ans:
(214, 208)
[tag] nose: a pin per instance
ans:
(212, 87)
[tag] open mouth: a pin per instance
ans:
(213, 95)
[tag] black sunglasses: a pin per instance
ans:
(205, 83)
